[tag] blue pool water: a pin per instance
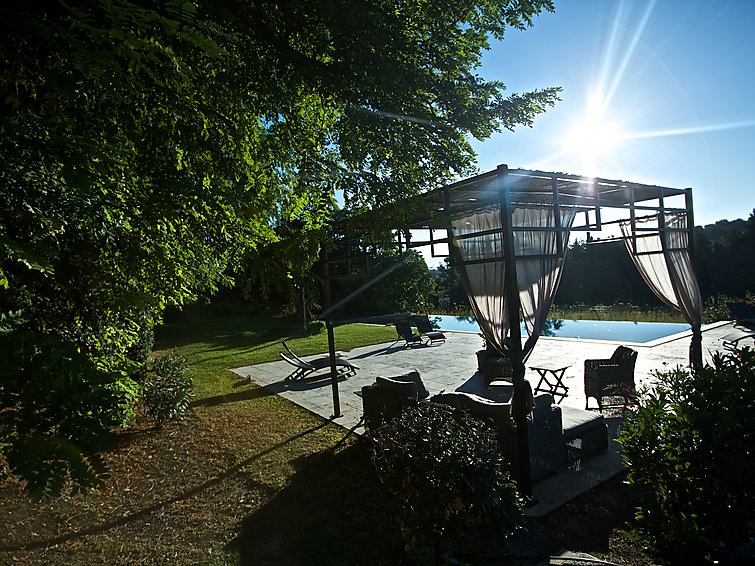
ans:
(616, 331)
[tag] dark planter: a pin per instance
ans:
(482, 357)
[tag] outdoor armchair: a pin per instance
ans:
(425, 328)
(385, 399)
(613, 377)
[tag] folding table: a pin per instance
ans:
(551, 380)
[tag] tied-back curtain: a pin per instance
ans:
(662, 258)
(478, 247)
(538, 264)
(484, 280)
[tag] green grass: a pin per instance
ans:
(213, 347)
(619, 312)
(323, 496)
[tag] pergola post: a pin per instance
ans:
(696, 345)
(519, 402)
(327, 303)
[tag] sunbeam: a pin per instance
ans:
(619, 74)
(688, 131)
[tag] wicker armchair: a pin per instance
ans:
(613, 377)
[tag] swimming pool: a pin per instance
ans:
(615, 331)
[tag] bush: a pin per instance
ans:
(457, 496)
(315, 327)
(688, 448)
(716, 309)
(143, 341)
(167, 392)
(57, 409)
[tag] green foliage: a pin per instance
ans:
(715, 307)
(148, 146)
(167, 391)
(280, 276)
(723, 259)
(458, 499)
(451, 286)
(57, 411)
(315, 327)
(688, 448)
(616, 311)
(391, 283)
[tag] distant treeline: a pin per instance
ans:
(603, 273)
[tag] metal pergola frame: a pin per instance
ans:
(589, 195)
(506, 189)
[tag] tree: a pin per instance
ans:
(389, 283)
(148, 144)
(451, 285)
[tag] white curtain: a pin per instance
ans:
(538, 267)
(484, 281)
(538, 264)
(662, 258)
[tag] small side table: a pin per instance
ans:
(551, 380)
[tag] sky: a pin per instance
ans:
(659, 92)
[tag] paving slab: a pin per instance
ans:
(452, 366)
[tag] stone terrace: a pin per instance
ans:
(452, 366)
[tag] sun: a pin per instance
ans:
(592, 138)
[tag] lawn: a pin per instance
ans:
(250, 478)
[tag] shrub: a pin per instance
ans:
(56, 411)
(143, 341)
(315, 327)
(167, 392)
(457, 496)
(688, 448)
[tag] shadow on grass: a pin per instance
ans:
(141, 513)
(224, 333)
(235, 397)
(335, 511)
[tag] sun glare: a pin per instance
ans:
(592, 138)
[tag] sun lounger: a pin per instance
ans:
(404, 331)
(731, 340)
(303, 368)
(425, 328)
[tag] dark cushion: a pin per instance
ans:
(481, 407)
(478, 406)
(576, 421)
(452, 399)
(414, 377)
(400, 387)
(543, 401)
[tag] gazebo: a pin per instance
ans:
(507, 231)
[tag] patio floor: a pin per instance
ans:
(452, 366)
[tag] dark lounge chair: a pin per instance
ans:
(731, 341)
(404, 331)
(303, 368)
(613, 377)
(425, 328)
